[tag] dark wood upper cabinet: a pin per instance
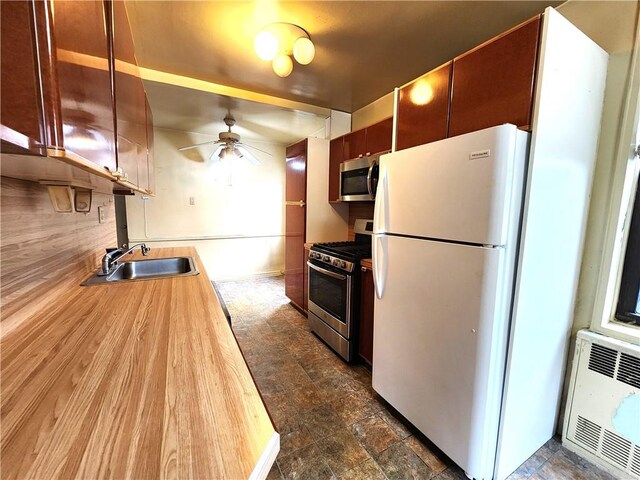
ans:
(423, 109)
(493, 84)
(355, 144)
(336, 157)
(379, 136)
(151, 183)
(130, 99)
(22, 129)
(84, 80)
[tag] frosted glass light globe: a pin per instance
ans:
(266, 45)
(282, 65)
(304, 50)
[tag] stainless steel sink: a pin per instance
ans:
(147, 269)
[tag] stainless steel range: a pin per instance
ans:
(334, 287)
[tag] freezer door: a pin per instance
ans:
(439, 342)
(466, 188)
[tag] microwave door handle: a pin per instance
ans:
(326, 272)
(369, 178)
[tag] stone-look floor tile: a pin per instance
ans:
(374, 434)
(530, 466)
(426, 455)
(341, 451)
(294, 440)
(306, 397)
(274, 473)
(400, 462)
(304, 464)
(396, 425)
(368, 470)
(321, 421)
(353, 408)
(451, 473)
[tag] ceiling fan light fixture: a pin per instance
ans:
(282, 65)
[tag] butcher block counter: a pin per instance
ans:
(134, 380)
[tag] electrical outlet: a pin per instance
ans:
(192, 200)
(101, 215)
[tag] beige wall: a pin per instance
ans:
(252, 208)
(373, 113)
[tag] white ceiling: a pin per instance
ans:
(363, 50)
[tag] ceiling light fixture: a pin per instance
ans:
(278, 42)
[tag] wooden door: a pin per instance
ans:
(22, 129)
(493, 83)
(295, 222)
(130, 99)
(423, 109)
(379, 136)
(365, 344)
(84, 80)
(355, 144)
(335, 159)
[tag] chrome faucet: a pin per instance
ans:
(110, 260)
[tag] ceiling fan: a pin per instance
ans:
(229, 145)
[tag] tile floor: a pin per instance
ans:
(331, 422)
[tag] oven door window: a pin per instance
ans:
(329, 293)
(354, 182)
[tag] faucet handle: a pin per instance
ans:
(145, 249)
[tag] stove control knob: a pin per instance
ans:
(326, 258)
(336, 262)
(343, 264)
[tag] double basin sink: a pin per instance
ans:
(146, 269)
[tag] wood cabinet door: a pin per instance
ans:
(130, 98)
(423, 109)
(295, 222)
(335, 159)
(493, 83)
(355, 144)
(365, 344)
(22, 129)
(379, 136)
(151, 184)
(84, 80)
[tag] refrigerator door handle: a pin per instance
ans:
(380, 210)
(379, 264)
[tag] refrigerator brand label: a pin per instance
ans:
(479, 154)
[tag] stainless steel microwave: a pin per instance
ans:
(359, 179)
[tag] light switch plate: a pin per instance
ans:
(101, 215)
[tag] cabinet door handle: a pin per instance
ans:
(364, 269)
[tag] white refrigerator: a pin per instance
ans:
(445, 251)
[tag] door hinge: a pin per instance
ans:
(636, 150)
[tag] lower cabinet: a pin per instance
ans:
(365, 344)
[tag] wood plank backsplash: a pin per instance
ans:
(358, 210)
(44, 252)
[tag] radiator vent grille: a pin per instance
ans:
(588, 433)
(635, 461)
(629, 370)
(616, 449)
(602, 360)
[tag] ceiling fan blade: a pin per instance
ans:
(215, 156)
(181, 149)
(247, 154)
(254, 148)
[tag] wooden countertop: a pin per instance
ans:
(132, 380)
(367, 262)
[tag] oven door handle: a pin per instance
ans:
(327, 272)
